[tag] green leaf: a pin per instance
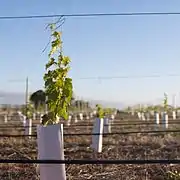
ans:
(66, 60)
(56, 34)
(56, 43)
(58, 87)
(50, 63)
(52, 26)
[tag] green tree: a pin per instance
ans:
(38, 99)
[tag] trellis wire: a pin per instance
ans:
(91, 125)
(90, 161)
(105, 134)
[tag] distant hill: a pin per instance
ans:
(12, 98)
(19, 98)
(110, 104)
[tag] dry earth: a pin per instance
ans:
(130, 146)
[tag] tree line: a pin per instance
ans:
(38, 99)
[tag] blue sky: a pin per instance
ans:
(103, 46)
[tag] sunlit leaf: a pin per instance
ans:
(58, 86)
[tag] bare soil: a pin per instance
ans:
(130, 146)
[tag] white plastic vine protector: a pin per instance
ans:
(24, 120)
(5, 118)
(156, 114)
(81, 116)
(51, 146)
(132, 113)
(57, 119)
(97, 139)
(174, 115)
(165, 120)
(75, 119)
(178, 112)
(107, 126)
(21, 118)
(70, 117)
(28, 127)
(41, 115)
(162, 114)
(143, 116)
(69, 120)
(147, 116)
(112, 117)
(111, 120)
(34, 116)
(139, 115)
(19, 113)
(91, 115)
(152, 113)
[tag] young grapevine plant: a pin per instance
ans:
(155, 108)
(165, 102)
(58, 87)
(28, 110)
(100, 112)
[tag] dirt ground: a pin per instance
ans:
(121, 147)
